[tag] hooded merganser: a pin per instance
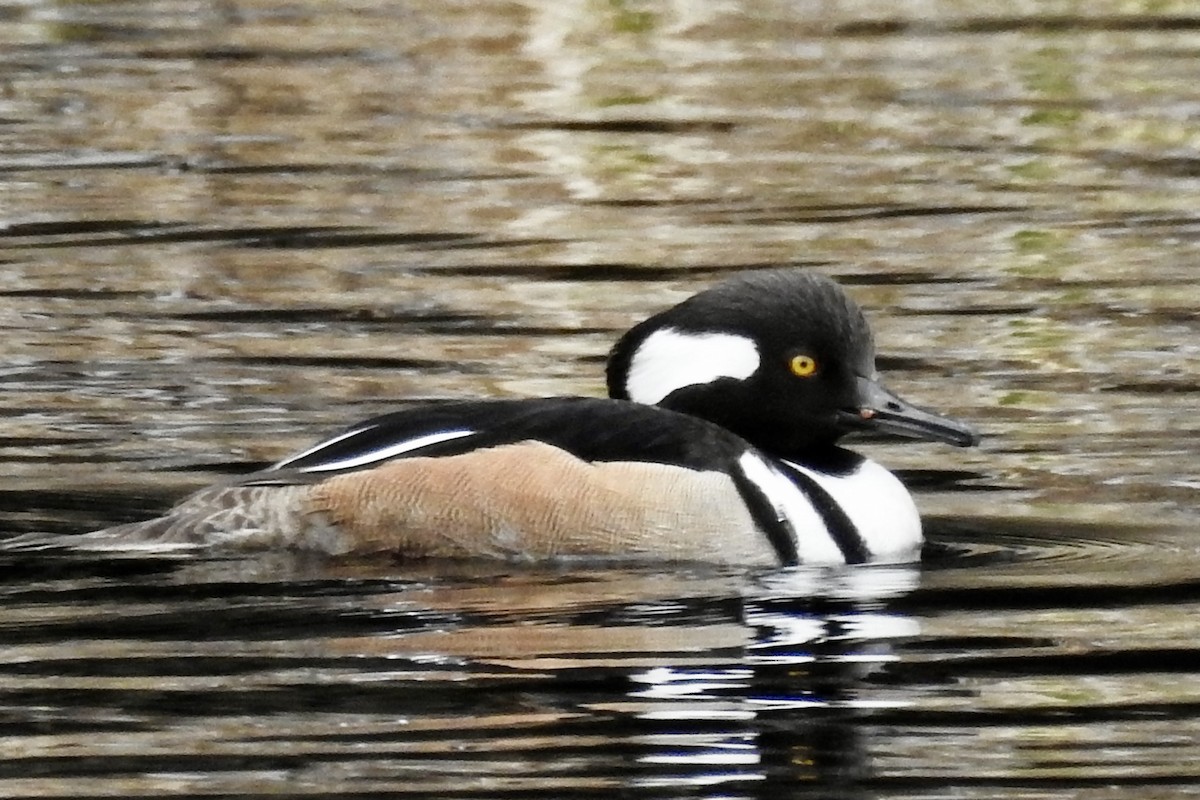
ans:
(717, 444)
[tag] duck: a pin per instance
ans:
(717, 443)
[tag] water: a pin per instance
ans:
(225, 232)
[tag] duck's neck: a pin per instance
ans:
(828, 459)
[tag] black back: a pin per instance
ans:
(592, 429)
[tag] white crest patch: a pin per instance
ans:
(669, 359)
(370, 456)
(814, 545)
(878, 505)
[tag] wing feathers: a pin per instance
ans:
(590, 428)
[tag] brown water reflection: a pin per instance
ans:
(227, 230)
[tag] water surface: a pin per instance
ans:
(226, 231)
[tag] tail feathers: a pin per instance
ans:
(225, 518)
(123, 538)
(172, 532)
(38, 543)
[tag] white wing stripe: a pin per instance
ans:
(382, 454)
(316, 447)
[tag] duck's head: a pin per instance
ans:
(784, 358)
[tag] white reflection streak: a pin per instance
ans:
(665, 683)
(786, 630)
(706, 759)
(682, 696)
(790, 631)
(858, 637)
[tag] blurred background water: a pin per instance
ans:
(227, 229)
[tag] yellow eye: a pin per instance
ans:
(803, 366)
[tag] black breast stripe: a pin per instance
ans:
(841, 529)
(780, 533)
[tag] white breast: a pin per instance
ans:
(814, 545)
(878, 505)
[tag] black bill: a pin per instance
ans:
(880, 410)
